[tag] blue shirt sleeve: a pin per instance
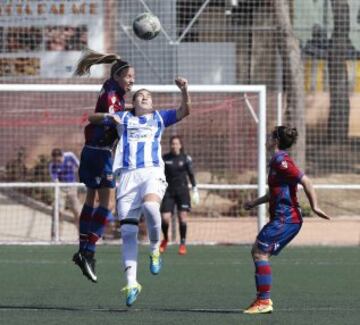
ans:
(168, 116)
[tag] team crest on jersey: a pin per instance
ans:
(284, 164)
(113, 99)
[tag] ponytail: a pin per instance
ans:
(91, 57)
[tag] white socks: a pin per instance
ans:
(151, 210)
(130, 252)
(129, 233)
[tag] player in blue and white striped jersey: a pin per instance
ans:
(139, 171)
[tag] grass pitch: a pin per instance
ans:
(210, 285)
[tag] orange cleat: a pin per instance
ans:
(260, 306)
(163, 246)
(182, 249)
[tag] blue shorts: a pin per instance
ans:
(276, 235)
(95, 169)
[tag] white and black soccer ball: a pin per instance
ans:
(146, 26)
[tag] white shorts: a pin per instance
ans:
(133, 185)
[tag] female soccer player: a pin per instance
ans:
(285, 214)
(139, 170)
(96, 158)
(178, 166)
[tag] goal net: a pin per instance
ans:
(223, 135)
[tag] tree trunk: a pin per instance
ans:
(293, 76)
(338, 121)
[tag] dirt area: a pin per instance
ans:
(315, 231)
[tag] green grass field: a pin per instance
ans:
(211, 285)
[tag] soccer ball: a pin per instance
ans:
(146, 26)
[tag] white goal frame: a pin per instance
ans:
(259, 119)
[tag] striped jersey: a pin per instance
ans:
(65, 171)
(283, 179)
(140, 139)
(110, 100)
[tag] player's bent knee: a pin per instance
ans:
(258, 255)
(152, 208)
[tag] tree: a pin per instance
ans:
(339, 46)
(293, 74)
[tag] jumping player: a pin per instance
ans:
(96, 157)
(178, 167)
(141, 182)
(285, 214)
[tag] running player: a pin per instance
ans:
(96, 157)
(178, 167)
(285, 214)
(141, 182)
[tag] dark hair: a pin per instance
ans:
(91, 57)
(178, 137)
(56, 152)
(285, 135)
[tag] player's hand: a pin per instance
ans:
(248, 205)
(116, 118)
(320, 213)
(195, 196)
(182, 83)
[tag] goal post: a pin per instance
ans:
(207, 97)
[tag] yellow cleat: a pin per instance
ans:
(260, 306)
(155, 263)
(131, 293)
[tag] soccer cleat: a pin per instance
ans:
(260, 306)
(131, 293)
(155, 263)
(86, 264)
(163, 245)
(182, 249)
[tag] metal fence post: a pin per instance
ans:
(55, 216)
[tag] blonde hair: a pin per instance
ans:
(91, 57)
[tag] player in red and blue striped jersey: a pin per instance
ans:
(285, 214)
(96, 160)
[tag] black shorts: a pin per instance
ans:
(180, 198)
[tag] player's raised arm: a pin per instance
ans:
(184, 109)
(311, 195)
